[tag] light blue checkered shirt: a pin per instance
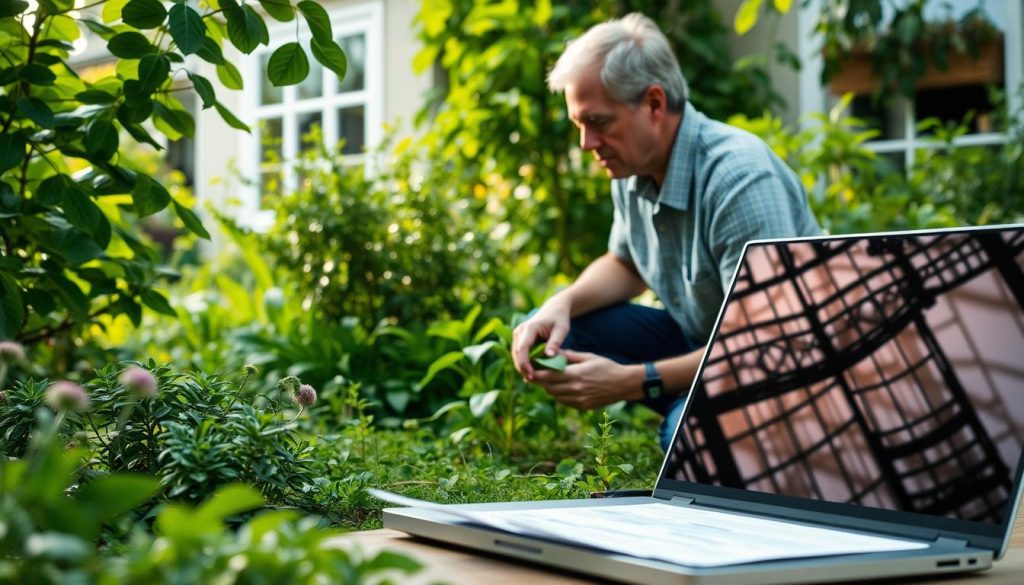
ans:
(724, 186)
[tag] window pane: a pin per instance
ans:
(310, 132)
(271, 185)
(355, 50)
(268, 93)
(271, 140)
(888, 117)
(313, 85)
(352, 129)
(952, 104)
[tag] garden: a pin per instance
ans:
(197, 412)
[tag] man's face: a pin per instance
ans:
(620, 135)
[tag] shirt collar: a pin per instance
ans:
(675, 190)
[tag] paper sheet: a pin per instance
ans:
(684, 535)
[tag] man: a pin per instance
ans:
(688, 193)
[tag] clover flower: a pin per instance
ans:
(11, 351)
(66, 395)
(139, 381)
(305, 396)
(3, 396)
(250, 370)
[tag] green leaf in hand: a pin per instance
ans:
(556, 362)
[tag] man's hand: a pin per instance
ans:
(591, 381)
(551, 323)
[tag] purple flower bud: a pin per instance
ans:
(139, 381)
(65, 395)
(11, 351)
(305, 396)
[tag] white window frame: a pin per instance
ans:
(815, 98)
(367, 19)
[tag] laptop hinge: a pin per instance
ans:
(681, 500)
(951, 542)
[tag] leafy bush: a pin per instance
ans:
(851, 190)
(49, 536)
(69, 202)
(390, 246)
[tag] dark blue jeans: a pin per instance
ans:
(633, 334)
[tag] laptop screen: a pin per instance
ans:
(883, 371)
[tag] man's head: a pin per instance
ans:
(625, 91)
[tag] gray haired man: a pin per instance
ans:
(688, 192)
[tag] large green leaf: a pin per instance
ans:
(330, 55)
(101, 140)
(154, 70)
(12, 308)
(95, 96)
(37, 74)
(12, 8)
(230, 118)
(187, 28)
(230, 76)
(204, 89)
(157, 302)
(149, 196)
(75, 246)
(246, 28)
(36, 110)
(173, 122)
(190, 220)
(441, 364)
(229, 500)
(288, 65)
(79, 208)
(280, 10)
(12, 150)
(317, 19)
(130, 45)
(144, 14)
(210, 51)
(72, 297)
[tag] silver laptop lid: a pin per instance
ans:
(873, 377)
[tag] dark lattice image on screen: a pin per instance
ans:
(883, 371)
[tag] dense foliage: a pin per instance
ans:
(70, 250)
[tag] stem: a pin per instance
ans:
(97, 431)
(50, 331)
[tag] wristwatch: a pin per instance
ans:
(653, 386)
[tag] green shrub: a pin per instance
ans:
(388, 246)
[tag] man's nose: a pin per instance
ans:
(589, 139)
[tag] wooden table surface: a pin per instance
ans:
(449, 564)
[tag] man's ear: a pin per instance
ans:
(656, 100)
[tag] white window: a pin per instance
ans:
(948, 97)
(283, 118)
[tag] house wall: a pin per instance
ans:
(219, 148)
(772, 28)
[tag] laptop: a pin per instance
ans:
(858, 413)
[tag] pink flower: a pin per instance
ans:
(65, 395)
(11, 351)
(305, 396)
(139, 381)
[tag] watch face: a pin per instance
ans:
(652, 390)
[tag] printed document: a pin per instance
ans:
(686, 535)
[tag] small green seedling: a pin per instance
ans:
(538, 359)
